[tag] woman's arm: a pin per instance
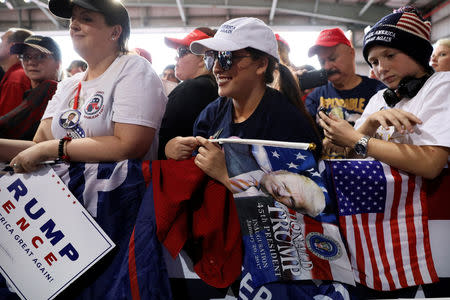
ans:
(426, 161)
(10, 148)
(128, 141)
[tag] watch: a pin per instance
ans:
(361, 146)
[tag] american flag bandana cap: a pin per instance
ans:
(405, 30)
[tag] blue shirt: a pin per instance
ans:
(275, 118)
(346, 104)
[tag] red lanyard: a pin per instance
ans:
(77, 96)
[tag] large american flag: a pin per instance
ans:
(383, 216)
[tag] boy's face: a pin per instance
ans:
(391, 65)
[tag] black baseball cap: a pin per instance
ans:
(110, 8)
(44, 44)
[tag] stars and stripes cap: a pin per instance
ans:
(404, 29)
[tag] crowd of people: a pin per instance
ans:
(236, 81)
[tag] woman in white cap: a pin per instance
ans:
(244, 55)
(119, 100)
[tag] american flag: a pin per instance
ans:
(116, 195)
(383, 216)
(412, 23)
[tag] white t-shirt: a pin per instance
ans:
(431, 105)
(129, 91)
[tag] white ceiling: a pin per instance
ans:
(351, 14)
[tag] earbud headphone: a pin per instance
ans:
(407, 88)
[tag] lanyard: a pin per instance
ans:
(77, 96)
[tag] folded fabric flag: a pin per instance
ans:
(287, 220)
(383, 215)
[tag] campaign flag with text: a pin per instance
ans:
(383, 216)
(287, 220)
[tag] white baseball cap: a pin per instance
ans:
(240, 33)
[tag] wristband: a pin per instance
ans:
(61, 154)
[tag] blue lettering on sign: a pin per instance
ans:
(18, 189)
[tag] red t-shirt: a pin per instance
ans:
(14, 83)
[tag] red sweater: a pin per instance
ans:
(14, 83)
(192, 207)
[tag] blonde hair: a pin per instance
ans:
(443, 42)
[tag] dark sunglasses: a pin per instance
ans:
(225, 59)
(183, 51)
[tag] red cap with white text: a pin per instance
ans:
(329, 38)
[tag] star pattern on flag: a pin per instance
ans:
(313, 172)
(291, 165)
(300, 156)
(275, 154)
(357, 191)
(296, 161)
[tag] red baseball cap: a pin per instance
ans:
(195, 35)
(329, 38)
(280, 39)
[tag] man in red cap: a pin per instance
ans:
(197, 89)
(347, 93)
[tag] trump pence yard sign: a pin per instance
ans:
(47, 238)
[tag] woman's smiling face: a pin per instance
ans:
(89, 30)
(239, 78)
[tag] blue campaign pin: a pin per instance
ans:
(69, 119)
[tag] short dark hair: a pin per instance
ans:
(272, 64)
(19, 35)
(287, 84)
(77, 63)
(120, 18)
(169, 67)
